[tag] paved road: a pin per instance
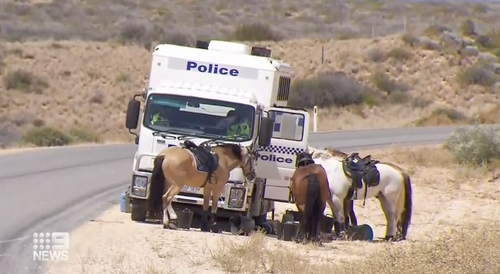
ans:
(57, 189)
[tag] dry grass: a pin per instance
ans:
(454, 230)
(62, 19)
(92, 90)
(85, 83)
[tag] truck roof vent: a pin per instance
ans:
(202, 44)
(259, 51)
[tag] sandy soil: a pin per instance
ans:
(444, 197)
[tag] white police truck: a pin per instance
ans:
(196, 88)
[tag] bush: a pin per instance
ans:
(468, 27)
(451, 113)
(429, 44)
(477, 145)
(326, 90)
(256, 32)
(485, 42)
(384, 83)
(400, 54)
(435, 30)
(133, 32)
(376, 55)
(46, 137)
(83, 136)
(477, 75)
(398, 97)
(409, 39)
(24, 81)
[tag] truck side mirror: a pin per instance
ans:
(133, 109)
(266, 131)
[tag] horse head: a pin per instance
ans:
(303, 158)
(247, 162)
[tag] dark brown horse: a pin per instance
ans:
(310, 191)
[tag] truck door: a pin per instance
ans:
(276, 163)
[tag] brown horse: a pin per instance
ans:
(310, 191)
(202, 166)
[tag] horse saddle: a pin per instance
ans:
(206, 160)
(361, 169)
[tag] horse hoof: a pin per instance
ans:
(165, 226)
(215, 229)
(389, 238)
(204, 227)
(172, 226)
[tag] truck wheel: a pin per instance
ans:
(138, 210)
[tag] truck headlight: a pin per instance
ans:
(139, 185)
(236, 197)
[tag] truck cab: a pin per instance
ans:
(195, 90)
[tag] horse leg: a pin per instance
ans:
(168, 210)
(215, 200)
(390, 215)
(337, 205)
(204, 216)
(354, 220)
(336, 225)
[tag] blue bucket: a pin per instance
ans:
(122, 202)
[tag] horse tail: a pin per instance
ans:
(313, 201)
(408, 206)
(156, 186)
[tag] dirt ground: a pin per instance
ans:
(446, 198)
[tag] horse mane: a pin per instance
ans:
(328, 153)
(235, 149)
(336, 152)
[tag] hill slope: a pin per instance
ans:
(83, 85)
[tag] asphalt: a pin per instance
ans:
(51, 190)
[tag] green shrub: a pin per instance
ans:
(468, 27)
(24, 81)
(83, 136)
(179, 39)
(477, 145)
(326, 90)
(409, 39)
(429, 44)
(376, 55)
(256, 32)
(400, 54)
(477, 75)
(485, 41)
(45, 136)
(452, 114)
(496, 52)
(435, 30)
(398, 97)
(384, 83)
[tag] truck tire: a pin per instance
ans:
(138, 210)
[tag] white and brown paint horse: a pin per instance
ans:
(393, 190)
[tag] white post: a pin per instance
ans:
(315, 118)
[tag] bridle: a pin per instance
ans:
(250, 156)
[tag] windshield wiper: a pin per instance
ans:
(163, 134)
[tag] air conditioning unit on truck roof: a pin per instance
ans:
(196, 88)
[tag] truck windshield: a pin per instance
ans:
(199, 117)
